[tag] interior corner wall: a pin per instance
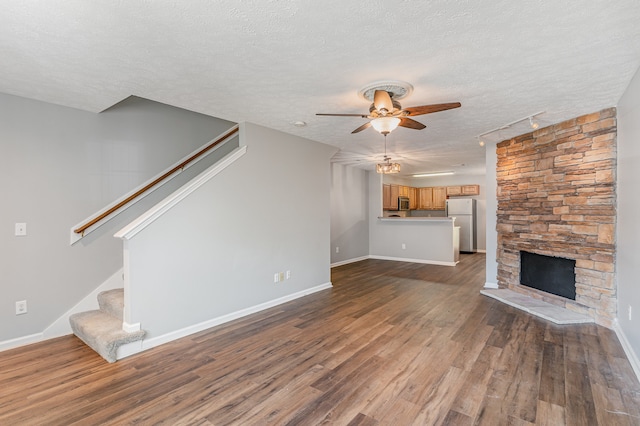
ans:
(216, 252)
(491, 208)
(628, 229)
(60, 165)
(349, 213)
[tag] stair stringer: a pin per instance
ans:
(61, 326)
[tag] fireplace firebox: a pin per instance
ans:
(553, 275)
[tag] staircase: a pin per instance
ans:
(102, 329)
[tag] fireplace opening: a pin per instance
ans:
(553, 275)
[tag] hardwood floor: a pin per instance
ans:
(391, 344)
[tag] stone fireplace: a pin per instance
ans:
(556, 197)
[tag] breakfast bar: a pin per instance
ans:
(433, 240)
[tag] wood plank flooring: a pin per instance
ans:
(392, 343)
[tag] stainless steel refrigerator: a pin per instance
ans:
(464, 210)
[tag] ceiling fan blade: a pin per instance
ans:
(428, 109)
(346, 115)
(361, 128)
(382, 100)
(412, 124)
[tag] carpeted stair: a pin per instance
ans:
(102, 329)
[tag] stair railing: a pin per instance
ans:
(85, 227)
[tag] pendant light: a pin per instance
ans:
(387, 166)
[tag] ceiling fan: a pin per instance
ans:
(385, 113)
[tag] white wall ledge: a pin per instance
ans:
(416, 219)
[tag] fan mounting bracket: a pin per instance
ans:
(397, 89)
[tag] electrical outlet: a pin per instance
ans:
(404, 246)
(21, 229)
(21, 307)
(337, 249)
(288, 274)
(281, 276)
(276, 277)
(629, 312)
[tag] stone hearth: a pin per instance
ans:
(556, 197)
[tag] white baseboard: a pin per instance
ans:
(481, 251)
(20, 341)
(490, 285)
(131, 349)
(401, 259)
(346, 262)
(628, 350)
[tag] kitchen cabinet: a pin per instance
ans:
(453, 191)
(390, 194)
(413, 198)
(459, 190)
(439, 198)
(386, 196)
(470, 189)
(425, 199)
(432, 198)
(404, 191)
(395, 193)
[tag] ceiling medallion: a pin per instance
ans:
(397, 89)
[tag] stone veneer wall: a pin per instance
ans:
(556, 197)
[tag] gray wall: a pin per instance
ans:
(60, 165)
(349, 207)
(628, 228)
(216, 252)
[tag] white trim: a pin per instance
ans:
(628, 349)
(130, 328)
(490, 285)
(74, 238)
(174, 335)
(165, 205)
(346, 262)
(480, 251)
(129, 349)
(21, 341)
(401, 259)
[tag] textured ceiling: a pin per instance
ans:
(274, 62)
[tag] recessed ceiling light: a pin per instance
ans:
(299, 123)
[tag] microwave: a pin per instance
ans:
(403, 203)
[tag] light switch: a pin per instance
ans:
(21, 229)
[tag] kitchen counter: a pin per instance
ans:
(433, 240)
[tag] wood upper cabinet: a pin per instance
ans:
(386, 196)
(425, 199)
(455, 191)
(404, 191)
(413, 198)
(439, 197)
(452, 191)
(470, 189)
(395, 193)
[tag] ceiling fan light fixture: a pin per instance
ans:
(385, 125)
